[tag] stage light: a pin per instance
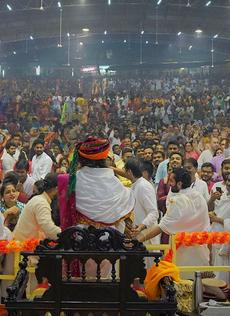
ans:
(9, 7)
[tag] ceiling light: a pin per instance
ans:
(190, 47)
(159, 2)
(109, 2)
(142, 32)
(188, 5)
(59, 45)
(81, 43)
(215, 36)
(105, 32)
(146, 42)
(9, 7)
(31, 37)
(102, 42)
(179, 33)
(68, 34)
(208, 3)
(125, 41)
(14, 52)
(212, 50)
(59, 4)
(198, 31)
(86, 29)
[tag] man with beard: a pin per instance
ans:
(148, 154)
(207, 172)
(158, 157)
(182, 216)
(41, 162)
(199, 185)
(225, 171)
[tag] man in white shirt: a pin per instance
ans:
(145, 208)
(207, 155)
(8, 160)
(41, 162)
(182, 216)
(26, 182)
(199, 185)
(225, 171)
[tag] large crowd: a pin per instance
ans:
(168, 144)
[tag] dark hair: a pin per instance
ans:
(147, 166)
(4, 185)
(176, 153)
(126, 150)
(50, 181)
(38, 141)
(9, 144)
(192, 161)
(134, 165)
(16, 135)
(208, 165)
(92, 163)
(115, 145)
(22, 164)
(159, 152)
(11, 177)
(40, 186)
(173, 143)
(148, 147)
(182, 175)
(225, 162)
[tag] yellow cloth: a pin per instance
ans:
(155, 274)
(126, 182)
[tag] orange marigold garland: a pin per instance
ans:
(198, 238)
(7, 246)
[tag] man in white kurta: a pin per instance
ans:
(41, 162)
(182, 216)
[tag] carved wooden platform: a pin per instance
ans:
(64, 264)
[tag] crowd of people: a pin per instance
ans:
(160, 163)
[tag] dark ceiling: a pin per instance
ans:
(121, 17)
(123, 20)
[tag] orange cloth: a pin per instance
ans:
(155, 274)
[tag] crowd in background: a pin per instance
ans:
(166, 123)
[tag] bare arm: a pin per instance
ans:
(149, 233)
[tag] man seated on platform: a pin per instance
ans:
(95, 196)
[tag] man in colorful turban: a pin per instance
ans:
(95, 196)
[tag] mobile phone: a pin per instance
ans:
(218, 189)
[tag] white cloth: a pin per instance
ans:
(205, 156)
(101, 196)
(201, 187)
(145, 209)
(222, 210)
(8, 163)
(182, 216)
(223, 257)
(41, 165)
(5, 233)
(28, 186)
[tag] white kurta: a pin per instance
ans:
(145, 208)
(183, 216)
(41, 165)
(223, 257)
(222, 210)
(201, 187)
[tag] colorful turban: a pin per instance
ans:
(94, 148)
